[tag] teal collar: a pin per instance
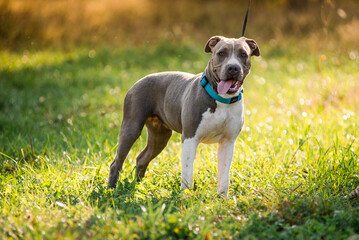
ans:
(205, 84)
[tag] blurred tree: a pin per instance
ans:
(298, 4)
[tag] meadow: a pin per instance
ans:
(65, 67)
(295, 163)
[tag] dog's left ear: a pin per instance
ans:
(254, 47)
(211, 43)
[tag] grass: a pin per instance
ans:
(295, 161)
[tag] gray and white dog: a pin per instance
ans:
(207, 107)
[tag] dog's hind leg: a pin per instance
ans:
(158, 136)
(129, 133)
(135, 114)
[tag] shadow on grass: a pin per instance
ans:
(130, 198)
(299, 218)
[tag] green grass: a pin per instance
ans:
(295, 161)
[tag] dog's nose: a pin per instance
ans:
(233, 69)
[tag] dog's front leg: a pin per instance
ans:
(189, 147)
(225, 155)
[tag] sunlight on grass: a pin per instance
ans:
(295, 161)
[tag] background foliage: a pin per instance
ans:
(42, 23)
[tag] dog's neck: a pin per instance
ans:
(212, 77)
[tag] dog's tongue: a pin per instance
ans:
(224, 86)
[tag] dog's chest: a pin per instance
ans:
(223, 124)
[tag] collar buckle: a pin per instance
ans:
(234, 99)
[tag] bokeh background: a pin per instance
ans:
(65, 23)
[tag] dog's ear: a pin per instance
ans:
(211, 43)
(254, 47)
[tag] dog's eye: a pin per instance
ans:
(243, 55)
(221, 54)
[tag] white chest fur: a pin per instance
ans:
(222, 125)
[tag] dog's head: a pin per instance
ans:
(230, 62)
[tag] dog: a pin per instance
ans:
(204, 108)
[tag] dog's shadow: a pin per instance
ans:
(129, 198)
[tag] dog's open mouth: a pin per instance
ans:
(229, 86)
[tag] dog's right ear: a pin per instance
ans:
(211, 43)
(254, 47)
